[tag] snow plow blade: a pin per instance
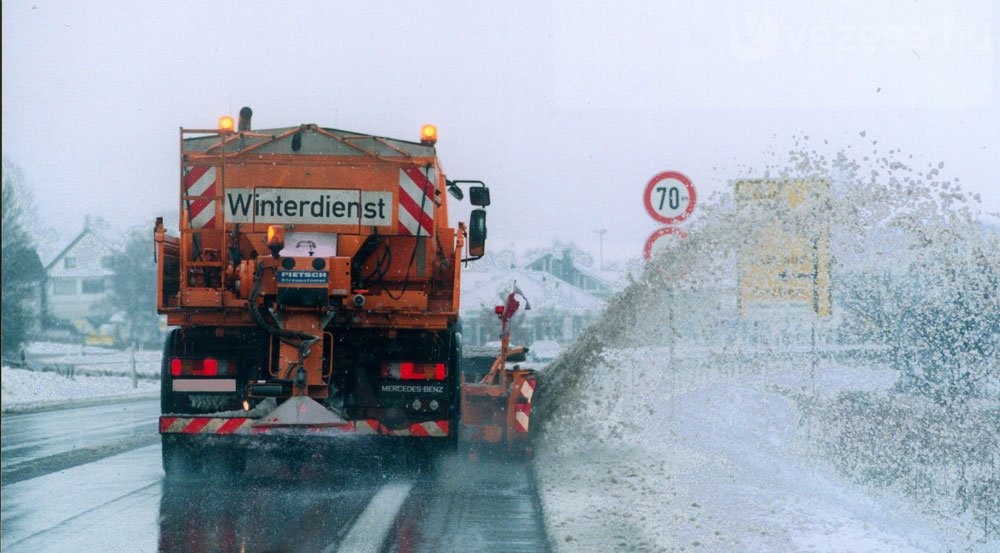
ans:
(496, 410)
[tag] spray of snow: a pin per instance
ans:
(680, 420)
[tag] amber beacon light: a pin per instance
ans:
(275, 239)
(428, 135)
(225, 123)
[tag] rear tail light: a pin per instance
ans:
(202, 367)
(414, 371)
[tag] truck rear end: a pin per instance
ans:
(315, 287)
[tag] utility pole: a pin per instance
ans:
(600, 233)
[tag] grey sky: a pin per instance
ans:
(565, 108)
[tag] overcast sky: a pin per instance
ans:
(565, 108)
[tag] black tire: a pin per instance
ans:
(179, 461)
(225, 462)
(455, 370)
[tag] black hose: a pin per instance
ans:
(382, 263)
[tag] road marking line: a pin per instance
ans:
(372, 526)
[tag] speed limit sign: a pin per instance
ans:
(660, 240)
(669, 197)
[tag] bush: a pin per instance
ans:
(945, 457)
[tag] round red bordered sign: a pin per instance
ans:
(647, 251)
(669, 197)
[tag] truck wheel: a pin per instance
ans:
(178, 461)
(455, 369)
(225, 462)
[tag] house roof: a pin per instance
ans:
(82, 271)
(616, 280)
(485, 289)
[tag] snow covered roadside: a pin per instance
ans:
(92, 360)
(650, 461)
(25, 391)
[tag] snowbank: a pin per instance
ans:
(92, 360)
(646, 459)
(25, 390)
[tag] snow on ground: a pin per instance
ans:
(92, 360)
(25, 390)
(649, 460)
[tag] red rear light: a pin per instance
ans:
(209, 367)
(408, 370)
(202, 367)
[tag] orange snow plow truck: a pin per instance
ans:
(315, 287)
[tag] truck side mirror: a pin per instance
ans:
(477, 233)
(479, 196)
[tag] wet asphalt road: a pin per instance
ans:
(76, 480)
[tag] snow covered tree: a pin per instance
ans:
(22, 269)
(134, 285)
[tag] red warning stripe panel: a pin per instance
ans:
(165, 423)
(231, 426)
(417, 200)
(418, 430)
(204, 425)
(212, 425)
(196, 425)
(421, 217)
(528, 389)
(368, 426)
(522, 416)
(418, 178)
(201, 181)
(197, 179)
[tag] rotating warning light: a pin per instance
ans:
(428, 135)
(275, 239)
(225, 123)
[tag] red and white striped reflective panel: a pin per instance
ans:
(430, 429)
(528, 389)
(522, 416)
(416, 201)
(204, 425)
(201, 181)
(522, 409)
(213, 425)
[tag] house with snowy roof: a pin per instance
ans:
(565, 263)
(78, 280)
(565, 295)
(559, 310)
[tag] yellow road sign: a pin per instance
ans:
(781, 262)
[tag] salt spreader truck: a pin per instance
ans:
(314, 285)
